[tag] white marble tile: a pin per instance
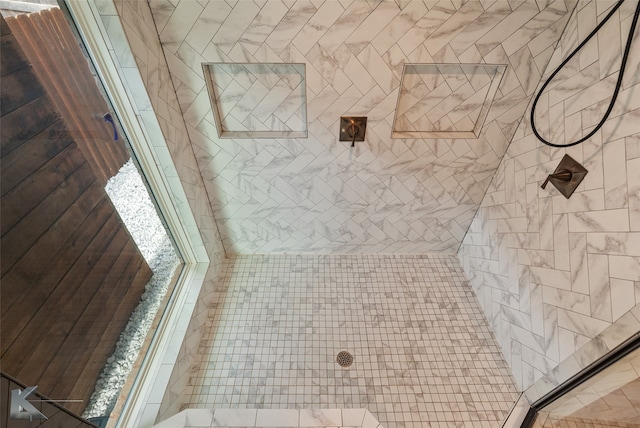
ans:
(353, 15)
(506, 27)
(177, 420)
(238, 20)
(277, 417)
(400, 24)
(599, 286)
(323, 417)
(295, 19)
(572, 301)
(583, 279)
(599, 221)
(234, 417)
(371, 26)
(353, 417)
(331, 41)
(199, 417)
(579, 263)
(589, 200)
(445, 33)
(632, 147)
(626, 125)
(581, 324)
(634, 195)
(622, 297)
(318, 343)
(624, 244)
(262, 26)
(369, 421)
(625, 267)
(318, 25)
(615, 179)
(378, 69)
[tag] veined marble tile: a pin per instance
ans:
(634, 195)
(625, 267)
(235, 417)
(581, 324)
(400, 24)
(251, 99)
(277, 417)
(371, 26)
(595, 237)
(321, 417)
(580, 201)
(599, 221)
(622, 297)
(288, 334)
(615, 174)
(453, 26)
(378, 102)
(624, 244)
(318, 26)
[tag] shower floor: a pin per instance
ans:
(423, 352)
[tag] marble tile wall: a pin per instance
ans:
(146, 71)
(423, 353)
(445, 100)
(258, 100)
(553, 273)
(385, 195)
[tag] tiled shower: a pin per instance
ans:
(422, 350)
(552, 273)
(549, 273)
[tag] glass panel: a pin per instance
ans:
(86, 259)
(609, 399)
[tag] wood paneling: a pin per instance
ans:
(53, 51)
(70, 273)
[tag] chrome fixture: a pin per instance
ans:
(352, 129)
(567, 176)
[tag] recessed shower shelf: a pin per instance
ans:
(445, 100)
(258, 100)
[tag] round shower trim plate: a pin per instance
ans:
(344, 359)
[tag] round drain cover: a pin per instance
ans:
(345, 359)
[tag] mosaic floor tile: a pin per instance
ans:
(422, 349)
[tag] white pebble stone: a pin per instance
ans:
(132, 202)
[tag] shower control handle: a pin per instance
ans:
(563, 175)
(353, 131)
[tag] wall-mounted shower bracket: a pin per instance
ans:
(567, 176)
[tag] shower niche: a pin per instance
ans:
(445, 100)
(258, 100)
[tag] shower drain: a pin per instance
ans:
(344, 358)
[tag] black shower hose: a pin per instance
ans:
(625, 56)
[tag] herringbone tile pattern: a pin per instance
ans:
(253, 100)
(385, 195)
(550, 272)
(445, 100)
